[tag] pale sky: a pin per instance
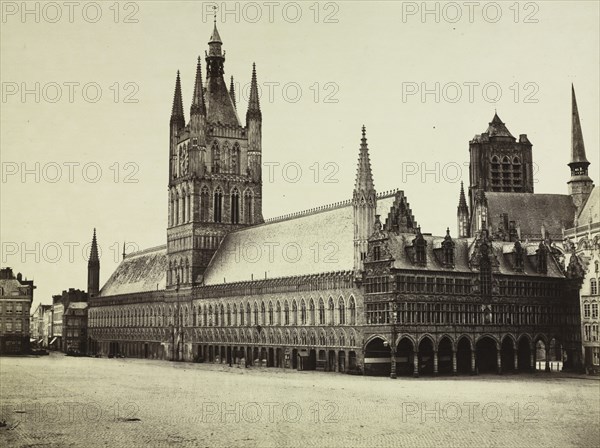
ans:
(333, 68)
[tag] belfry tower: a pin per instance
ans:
(215, 182)
(93, 282)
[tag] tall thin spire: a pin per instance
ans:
(232, 92)
(177, 111)
(364, 176)
(198, 105)
(577, 146)
(462, 201)
(253, 102)
(94, 250)
(94, 269)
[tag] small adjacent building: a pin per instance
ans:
(68, 305)
(16, 296)
(37, 324)
(75, 327)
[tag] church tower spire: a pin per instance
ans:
(176, 124)
(254, 126)
(232, 93)
(580, 184)
(364, 204)
(93, 269)
(462, 214)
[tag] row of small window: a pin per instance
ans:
(433, 285)
(14, 326)
(462, 313)
(181, 207)
(74, 333)
(590, 310)
(590, 333)
(9, 308)
(224, 315)
(594, 285)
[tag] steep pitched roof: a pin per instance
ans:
(306, 244)
(139, 272)
(577, 146)
(463, 250)
(497, 128)
(591, 209)
(219, 106)
(530, 211)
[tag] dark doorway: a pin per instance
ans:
(486, 355)
(405, 357)
(426, 357)
(377, 358)
(508, 355)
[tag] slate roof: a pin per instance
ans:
(463, 250)
(312, 243)
(591, 209)
(530, 211)
(219, 106)
(12, 287)
(497, 128)
(139, 272)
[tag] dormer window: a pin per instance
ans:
(377, 253)
(448, 250)
(542, 259)
(420, 246)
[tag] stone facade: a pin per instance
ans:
(16, 296)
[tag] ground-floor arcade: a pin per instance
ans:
(463, 354)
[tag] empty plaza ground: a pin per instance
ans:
(64, 401)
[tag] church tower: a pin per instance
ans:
(93, 282)
(580, 184)
(498, 162)
(364, 205)
(215, 182)
(462, 214)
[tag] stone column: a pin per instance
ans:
(547, 364)
(435, 362)
(516, 360)
(393, 367)
(499, 361)
(473, 362)
(454, 364)
(416, 364)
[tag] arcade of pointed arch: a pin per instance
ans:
(320, 320)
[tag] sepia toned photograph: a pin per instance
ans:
(300, 224)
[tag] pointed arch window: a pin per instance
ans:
(242, 314)
(235, 158)
(286, 313)
(342, 311)
(278, 313)
(485, 274)
(311, 312)
(248, 314)
(270, 313)
(235, 206)
(331, 311)
(352, 311)
(204, 204)
(248, 207)
(262, 313)
(321, 312)
(303, 312)
(255, 313)
(218, 205)
(216, 157)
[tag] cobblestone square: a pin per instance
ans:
(65, 401)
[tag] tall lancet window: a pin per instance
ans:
(248, 207)
(216, 157)
(218, 205)
(235, 159)
(204, 204)
(485, 271)
(235, 206)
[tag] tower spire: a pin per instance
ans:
(364, 205)
(232, 92)
(577, 146)
(364, 176)
(94, 268)
(462, 214)
(253, 102)
(198, 105)
(580, 184)
(177, 110)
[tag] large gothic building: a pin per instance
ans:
(354, 286)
